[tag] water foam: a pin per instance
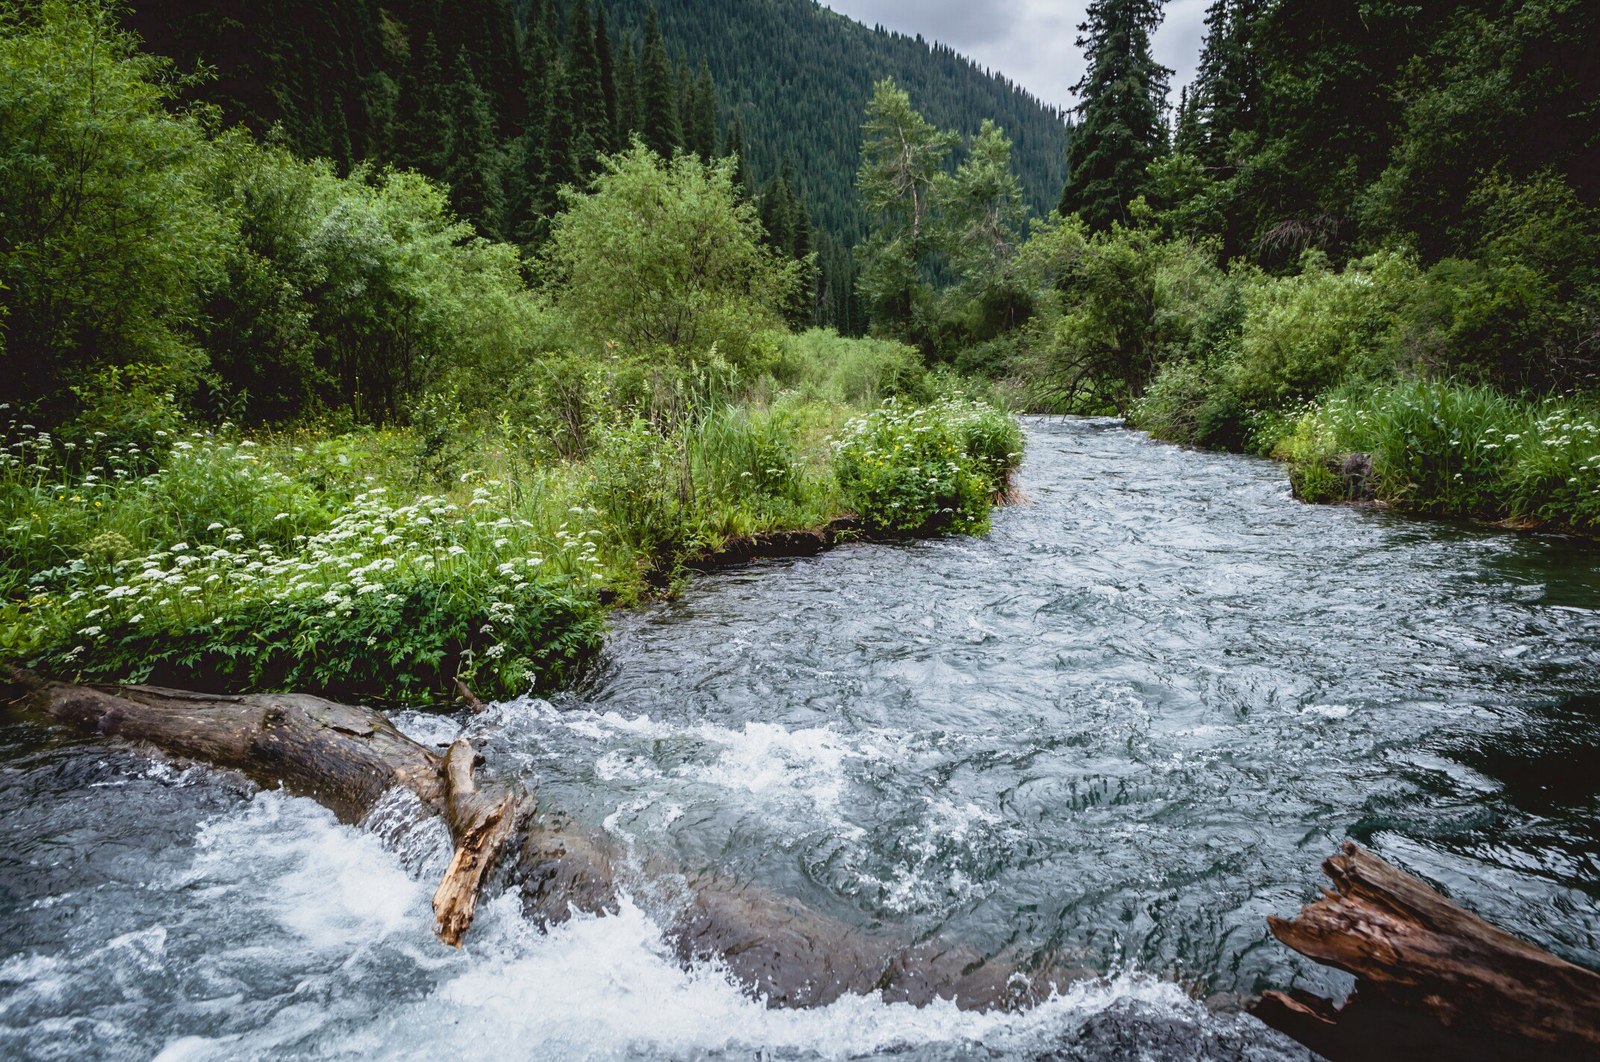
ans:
(340, 929)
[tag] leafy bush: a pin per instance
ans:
(387, 602)
(824, 366)
(639, 484)
(1455, 450)
(1192, 404)
(1304, 334)
(666, 260)
(917, 471)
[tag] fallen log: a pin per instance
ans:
(341, 756)
(347, 757)
(1433, 980)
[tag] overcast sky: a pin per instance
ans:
(1029, 41)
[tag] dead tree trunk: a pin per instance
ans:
(342, 756)
(1432, 979)
(347, 757)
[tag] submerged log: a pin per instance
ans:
(347, 757)
(341, 756)
(1433, 980)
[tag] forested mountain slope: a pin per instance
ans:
(799, 76)
(349, 80)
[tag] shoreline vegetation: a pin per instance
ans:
(273, 427)
(349, 565)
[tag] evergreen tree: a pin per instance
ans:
(733, 148)
(700, 117)
(528, 198)
(662, 133)
(617, 136)
(591, 128)
(472, 162)
(424, 118)
(777, 215)
(630, 119)
(1122, 95)
(1186, 127)
(1228, 82)
(563, 165)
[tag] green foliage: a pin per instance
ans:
(922, 470)
(1303, 334)
(1127, 301)
(1456, 450)
(902, 159)
(823, 366)
(110, 239)
(353, 293)
(664, 259)
(1522, 312)
(1121, 128)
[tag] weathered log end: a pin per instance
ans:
(1433, 980)
(481, 825)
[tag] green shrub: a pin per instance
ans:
(1303, 334)
(1438, 448)
(824, 366)
(1555, 472)
(908, 471)
(639, 483)
(388, 602)
(1191, 404)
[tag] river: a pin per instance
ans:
(1119, 731)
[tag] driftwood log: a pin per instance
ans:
(347, 757)
(1432, 979)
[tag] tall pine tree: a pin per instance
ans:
(617, 135)
(1122, 95)
(662, 133)
(472, 163)
(591, 128)
(630, 106)
(1227, 86)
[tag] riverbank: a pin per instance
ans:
(386, 564)
(1437, 448)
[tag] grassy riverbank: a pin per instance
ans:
(385, 563)
(1453, 450)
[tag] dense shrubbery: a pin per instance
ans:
(916, 470)
(362, 565)
(1454, 450)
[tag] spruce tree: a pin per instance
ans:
(1227, 84)
(424, 121)
(591, 128)
(662, 133)
(629, 105)
(563, 165)
(1120, 129)
(616, 136)
(472, 164)
(733, 148)
(702, 115)
(777, 215)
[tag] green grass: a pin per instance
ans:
(383, 564)
(1455, 450)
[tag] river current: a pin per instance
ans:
(1120, 730)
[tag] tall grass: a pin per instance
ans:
(367, 565)
(1456, 450)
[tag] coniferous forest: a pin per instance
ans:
(418, 355)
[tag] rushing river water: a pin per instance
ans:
(1120, 730)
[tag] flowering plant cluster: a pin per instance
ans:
(916, 470)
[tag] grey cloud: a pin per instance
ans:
(1030, 41)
